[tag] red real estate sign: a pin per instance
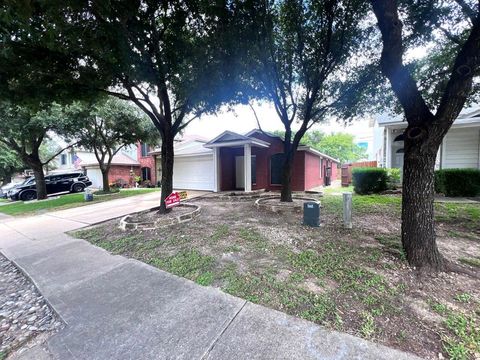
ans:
(172, 200)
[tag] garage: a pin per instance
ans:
(193, 172)
(95, 176)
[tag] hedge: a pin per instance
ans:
(369, 180)
(457, 182)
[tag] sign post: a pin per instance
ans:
(172, 200)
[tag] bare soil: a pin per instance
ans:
(152, 215)
(353, 280)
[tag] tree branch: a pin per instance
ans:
(58, 153)
(460, 84)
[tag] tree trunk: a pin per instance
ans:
(167, 170)
(39, 180)
(418, 223)
(286, 193)
(7, 179)
(106, 184)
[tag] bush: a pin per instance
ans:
(369, 180)
(393, 178)
(457, 182)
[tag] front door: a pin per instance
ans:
(239, 173)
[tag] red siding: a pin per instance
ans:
(306, 166)
(312, 171)
(147, 161)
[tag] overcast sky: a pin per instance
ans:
(242, 120)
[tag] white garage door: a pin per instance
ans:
(95, 176)
(193, 172)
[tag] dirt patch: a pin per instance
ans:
(152, 216)
(353, 280)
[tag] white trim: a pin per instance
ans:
(316, 152)
(226, 132)
(388, 152)
(216, 169)
(247, 162)
(254, 142)
(191, 155)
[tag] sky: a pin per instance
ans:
(241, 120)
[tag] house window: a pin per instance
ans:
(63, 159)
(276, 164)
(146, 174)
(144, 149)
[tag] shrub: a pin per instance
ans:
(393, 178)
(369, 180)
(458, 182)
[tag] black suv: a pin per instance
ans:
(71, 182)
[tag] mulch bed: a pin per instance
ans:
(24, 313)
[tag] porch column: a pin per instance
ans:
(216, 169)
(388, 148)
(247, 157)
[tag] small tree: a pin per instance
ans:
(166, 57)
(9, 164)
(108, 127)
(341, 146)
(300, 60)
(431, 94)
(24, 130)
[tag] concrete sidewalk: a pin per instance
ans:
(116, 308)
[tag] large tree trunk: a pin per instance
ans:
(418, 223)
(39, 180)
(167, 170)
(286, 193)
(106, 185)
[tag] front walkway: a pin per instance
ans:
(117, 308)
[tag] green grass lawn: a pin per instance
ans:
(65, 202)
(354, 280)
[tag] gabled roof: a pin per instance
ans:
(316, 152)
(230, 138)
(258, 131)
(118, 159)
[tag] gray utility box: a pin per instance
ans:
(311, 213)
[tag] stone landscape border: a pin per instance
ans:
(126, 224)
(241, 195)
(285, 207)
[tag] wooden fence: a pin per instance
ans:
(347, 170)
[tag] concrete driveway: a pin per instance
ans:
(118, 308)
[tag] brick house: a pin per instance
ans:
(122, 169)
(148, 167)
(221, 164)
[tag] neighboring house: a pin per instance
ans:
(147, 162)
(248, 162)
(460, 147)
(123, 165)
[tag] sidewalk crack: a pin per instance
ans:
(209, 350)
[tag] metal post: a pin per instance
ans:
(347, 209)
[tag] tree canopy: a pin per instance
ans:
(301, 59)
(339, 145)
(24, 131)
(109, 126)
(168, 58)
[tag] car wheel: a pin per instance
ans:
(28, 195)
(78, 188)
